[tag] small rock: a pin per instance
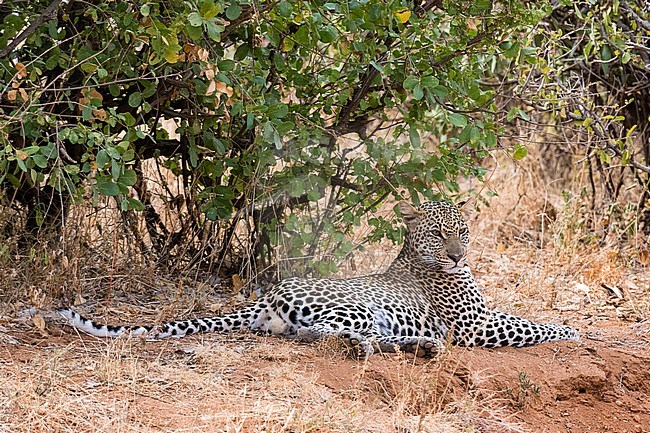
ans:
(609, 397)
(326, 395)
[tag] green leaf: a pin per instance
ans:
(328, 34)
(284, 128)
(194, 32)
(102, 159)
(512, 51)
(128, 177)
(31, 150)
(40, 161)
(277, 111)
(194, 157)
(491, 140)
(520, 152)
(49, 151)
(418, 92)
(209, 9)
(285, 9)
(626, 57)
(116, 170)
(113, 152)
(135, 204)
(414, 137)
(34, 175)
(106, 186)
(302, 36)
(88, 67)
(233, 11)
(480, 6)
(605, 56)
(86, 112)
(195, 19)
(440, 91)
(457, 119)
(53, 61)
(171, 53)
(129, 120)
(71, 169)
(410, 82)
(226, 65)
(429, 82)
(135, 99)
(214, 31)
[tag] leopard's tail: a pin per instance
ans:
(230, 322)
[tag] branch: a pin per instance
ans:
(360, 92)
(181, 115)
(337, 181)
(480, 109)
(149, 148)
(609, 143)
(49, 13)
(474, 41)
(426, 6)
(644, 23)
(247, 13)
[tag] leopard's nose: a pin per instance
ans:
(455, 257)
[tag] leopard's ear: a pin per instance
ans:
(465, 207)
(410, 214)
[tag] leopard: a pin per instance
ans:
(424, 302)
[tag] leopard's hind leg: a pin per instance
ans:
(351, 323)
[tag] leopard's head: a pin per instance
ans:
(437, 234)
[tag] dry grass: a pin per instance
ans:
(193, 385)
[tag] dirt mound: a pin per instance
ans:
(592, 386)
(559, 387)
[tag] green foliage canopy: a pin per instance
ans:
(278, 105)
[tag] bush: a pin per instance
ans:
(290, 120)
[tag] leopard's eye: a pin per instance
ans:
(436, 233)
(463, 231)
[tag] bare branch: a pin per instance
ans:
(48, 14)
